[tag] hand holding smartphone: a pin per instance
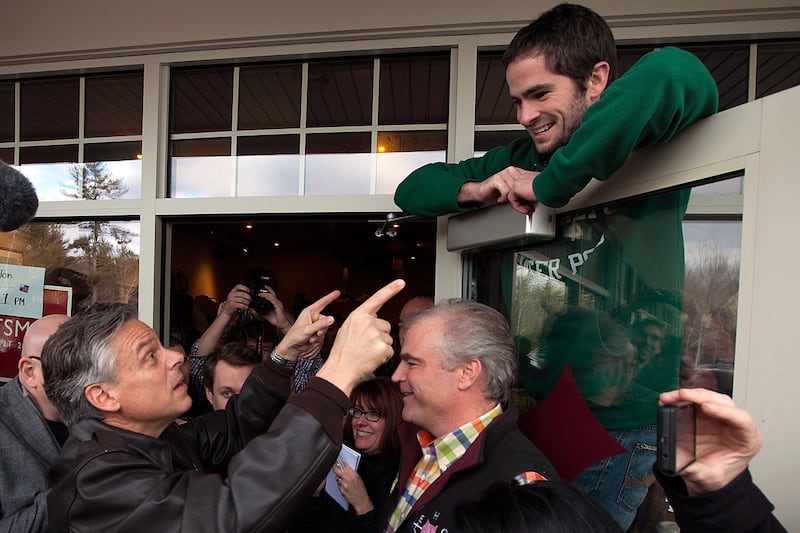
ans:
(676, 433)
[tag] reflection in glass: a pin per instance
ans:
(201, 177)
(486, 140)
(90, 181)
(49, 109)
(492, 102)
(338, 173)
(201, 168)
(268, 175)
(201, 100)
(7, 155)
(97, 260)
(269, 96)
(65, 153)
(729, 64)
(6, 112)
(414, 90)
(635, 299)
(778, 67)
(339, 93)
(114, 105)
(268, 165)
(400, 153)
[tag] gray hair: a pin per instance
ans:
(471, 330)
(79, 354)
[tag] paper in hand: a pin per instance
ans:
(351, 457)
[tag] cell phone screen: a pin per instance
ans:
(676, 437)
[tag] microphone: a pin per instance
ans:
(18, 200)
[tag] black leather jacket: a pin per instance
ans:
(108, 479)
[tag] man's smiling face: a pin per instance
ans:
(549, 105)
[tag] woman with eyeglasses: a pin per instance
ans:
(371, 428)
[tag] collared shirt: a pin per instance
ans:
(437, 456)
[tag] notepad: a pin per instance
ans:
(347, 455)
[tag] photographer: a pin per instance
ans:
(716, 491)
(239, 312)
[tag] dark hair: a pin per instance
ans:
(383, 395)
(471, 330)
(540, 507)
(236, 354)
(79, 354)
(571, 38)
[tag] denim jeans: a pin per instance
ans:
(620, 483)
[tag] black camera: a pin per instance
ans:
(259, 304)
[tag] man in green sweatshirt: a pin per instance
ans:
(580, 125)
(583, 123)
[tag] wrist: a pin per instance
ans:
(281, 360)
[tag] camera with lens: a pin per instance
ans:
(259, 304)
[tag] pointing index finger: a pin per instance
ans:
(373, 304)
(323, 302)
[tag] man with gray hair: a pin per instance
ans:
(459, 432)
(129, 467)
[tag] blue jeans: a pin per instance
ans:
(620, 483)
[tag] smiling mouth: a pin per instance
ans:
(542, 129)
(363, 434)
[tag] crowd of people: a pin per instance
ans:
(106, 429)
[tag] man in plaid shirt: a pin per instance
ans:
(460, 435)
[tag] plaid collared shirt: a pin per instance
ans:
(437, 456)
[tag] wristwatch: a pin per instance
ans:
(278, 360)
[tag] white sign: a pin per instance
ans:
(21, 291)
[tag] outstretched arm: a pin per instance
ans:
(719, 494)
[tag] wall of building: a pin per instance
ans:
(42, 30)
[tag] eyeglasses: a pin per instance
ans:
(372, 416)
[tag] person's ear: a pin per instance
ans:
(469, 373)
(27, 373)
(209, 395)
(102, 398)
(598, 81)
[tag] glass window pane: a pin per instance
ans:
(67, 153)
(49, 109)
(729, 65)
(486, 140)
(88, 181)
(269, 96)
(268, 175)
(414, 90)
(337, 143)
(123, 161)
(627, 56)
(201, 100)
(201, 168)
(6, 112)
(114, 105)
(632, 319)
(340, 93)
(7, 155)
(121, 151)
(778, 67)
(338, 164)
(66, 266)
(268, 145)
(338, 173)
(268, 165)
(399, 153)
(492, 102)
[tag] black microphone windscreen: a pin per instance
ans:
(18, 200)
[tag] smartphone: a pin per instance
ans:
(676, 437)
